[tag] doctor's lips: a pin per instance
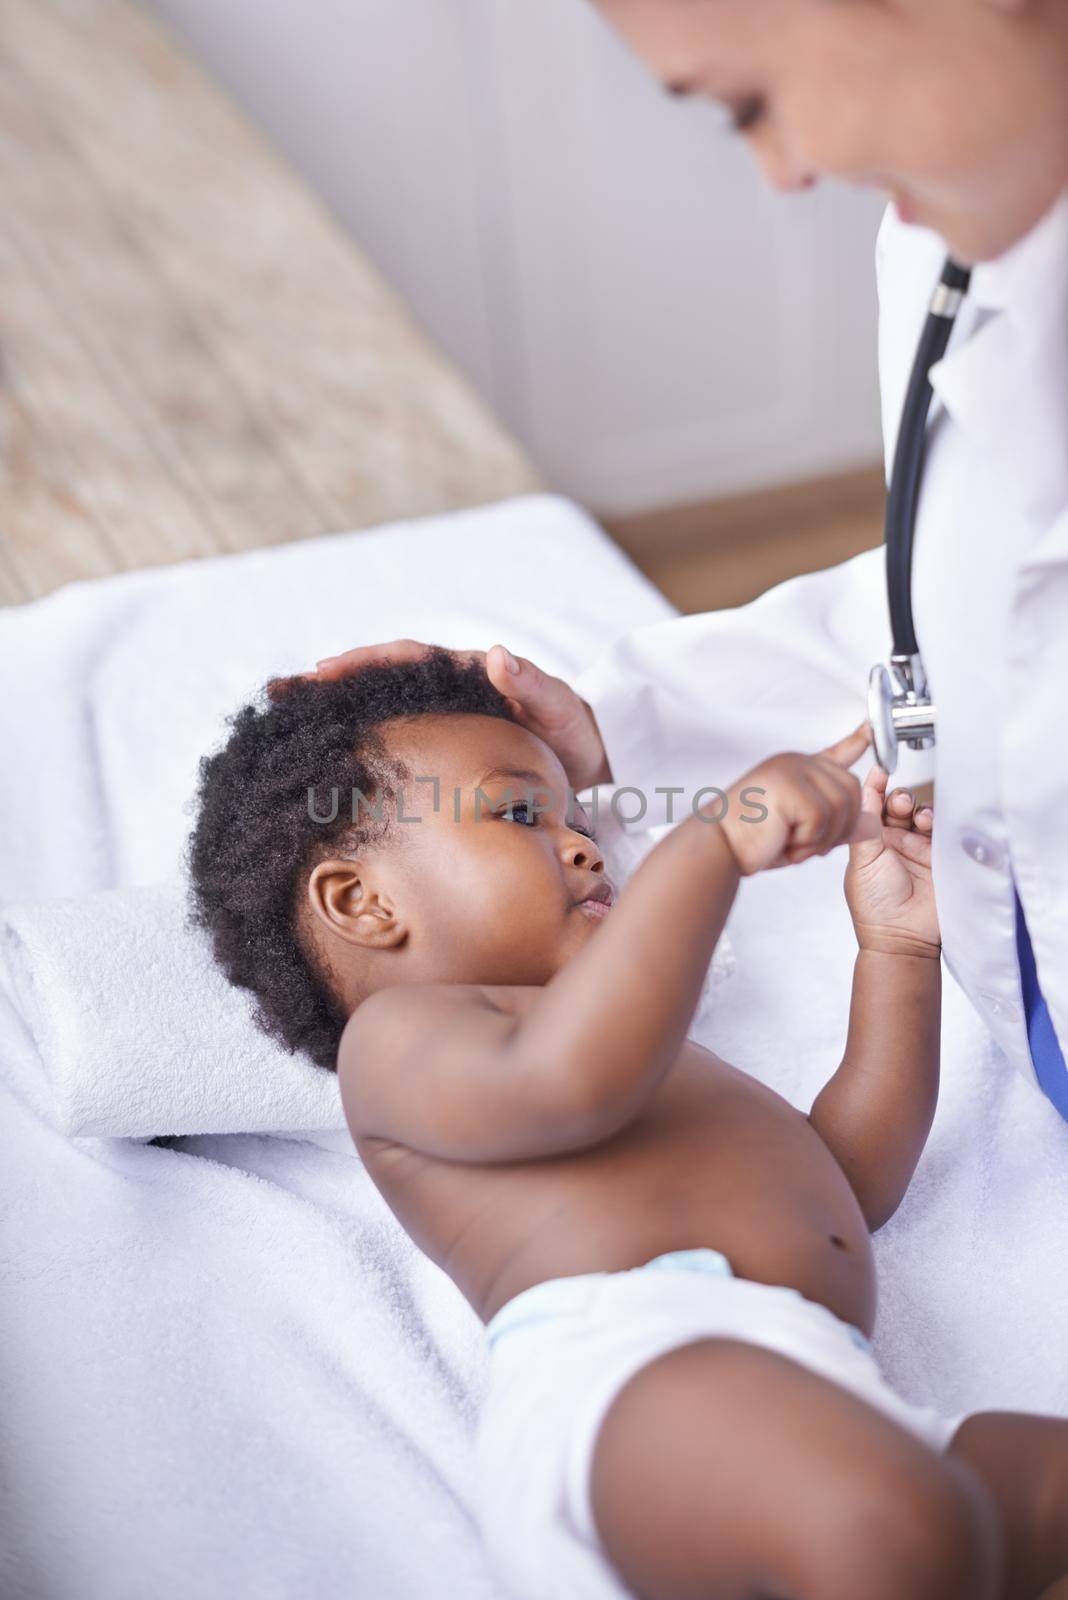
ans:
(598, 902)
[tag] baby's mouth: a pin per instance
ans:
(598, 902)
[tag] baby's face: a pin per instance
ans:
(493, 885)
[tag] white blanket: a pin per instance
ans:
(225, 1368)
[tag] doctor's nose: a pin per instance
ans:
(781, 171)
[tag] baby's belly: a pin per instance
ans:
(717, 1160)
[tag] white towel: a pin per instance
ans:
(139, 1031)
(141, 1035)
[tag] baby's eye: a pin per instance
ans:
(587, 833)
(522, 812)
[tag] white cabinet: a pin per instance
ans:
(600, 258)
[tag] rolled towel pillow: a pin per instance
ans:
(141, 1035)
(139, 1032)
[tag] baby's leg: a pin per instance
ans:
(726, 1472)
(1023, 1460)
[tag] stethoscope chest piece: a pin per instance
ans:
(899, 709)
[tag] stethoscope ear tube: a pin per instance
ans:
(904, 493)
(899, 706)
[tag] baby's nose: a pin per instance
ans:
(584, 853)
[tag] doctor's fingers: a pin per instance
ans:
(331, 668)
(552, 710)
(396, 650)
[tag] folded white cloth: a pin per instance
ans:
(139, 1031)
(141, 1035)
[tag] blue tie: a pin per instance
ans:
(1046, 1053)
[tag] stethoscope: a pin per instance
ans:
(899, 702)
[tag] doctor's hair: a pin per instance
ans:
(257, 834)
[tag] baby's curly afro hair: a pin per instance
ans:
(256, 837)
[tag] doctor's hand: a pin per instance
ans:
(888, 881)
(793, 806)
(548, 706)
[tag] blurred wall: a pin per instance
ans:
(598, 257)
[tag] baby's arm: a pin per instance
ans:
(876, 1112)
(468, 1073)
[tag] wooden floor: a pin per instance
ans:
(193, 357)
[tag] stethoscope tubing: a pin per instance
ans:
(903, 495)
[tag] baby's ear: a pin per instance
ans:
(347, 900)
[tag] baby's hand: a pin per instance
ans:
(888, 881)
(810, 805)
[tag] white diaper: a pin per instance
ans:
(561, 1351)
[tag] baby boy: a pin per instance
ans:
(673, 1263)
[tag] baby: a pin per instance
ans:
(673, 1263)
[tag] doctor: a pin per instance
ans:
(959, 110)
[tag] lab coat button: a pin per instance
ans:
(982, 850)
(998, 1006)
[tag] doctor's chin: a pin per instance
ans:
(533, 963)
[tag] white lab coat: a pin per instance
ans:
(696, 701)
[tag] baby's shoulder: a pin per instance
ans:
(393, 1014)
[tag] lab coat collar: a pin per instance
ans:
(1017, 280)
(1007, 384)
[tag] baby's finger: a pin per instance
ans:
(851, 748)
(867, 829)
(866, 840)
(873, 789)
